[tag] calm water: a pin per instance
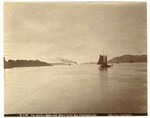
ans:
(76, 89)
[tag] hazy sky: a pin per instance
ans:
(75, 31)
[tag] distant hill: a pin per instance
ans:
(129, 59)
(24, 63)
(90, 63)
(60, 64)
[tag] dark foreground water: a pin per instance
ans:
(76, 89)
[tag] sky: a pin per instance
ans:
(77, 31)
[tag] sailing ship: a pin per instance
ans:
(103, 61)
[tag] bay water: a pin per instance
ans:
(83, 88)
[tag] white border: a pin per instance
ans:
(1, 63)
(2, 48)
(148, 44)
(75, 0)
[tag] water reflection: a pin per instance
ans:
(103, 72)
(103, 75)
(102, 69)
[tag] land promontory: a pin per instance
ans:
(129, 59)
(24, 63)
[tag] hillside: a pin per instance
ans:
(24, 63)
(129, 59)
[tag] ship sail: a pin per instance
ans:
(105, 59)
(101, 60)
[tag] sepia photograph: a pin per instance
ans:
(75, 59)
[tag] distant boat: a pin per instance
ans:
(103, 61)
(131, 61)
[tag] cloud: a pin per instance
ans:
(74, 31)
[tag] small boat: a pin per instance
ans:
(103, 61)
